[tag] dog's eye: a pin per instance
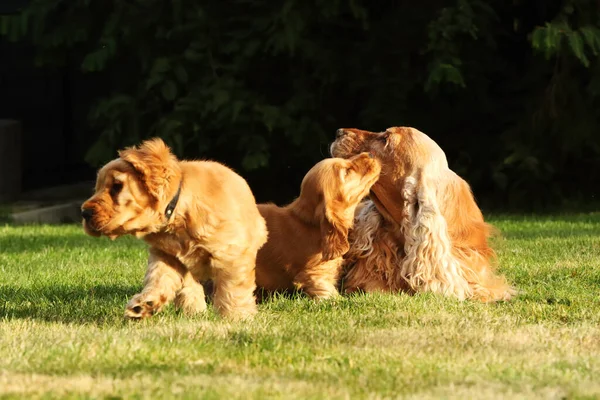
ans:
(383, 138)
(116, 188)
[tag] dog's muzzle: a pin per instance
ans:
(87, 214)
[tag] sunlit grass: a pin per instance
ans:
(62, 333)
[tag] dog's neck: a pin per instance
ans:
(305, 209)
(173, 203)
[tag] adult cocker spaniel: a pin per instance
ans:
(308, 237)
(199, 218)
(421, 230)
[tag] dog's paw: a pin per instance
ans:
(319, 290)
(321, 295)
(191, 300)
(143, 305)
(237, 312)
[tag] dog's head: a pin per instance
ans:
(133, 192)
(403, 152)
(338, 185)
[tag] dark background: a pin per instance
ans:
(509, 89)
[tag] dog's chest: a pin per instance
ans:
(193, 255)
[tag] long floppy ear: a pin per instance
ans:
(429, 264)
(334, 233)
(154, 161)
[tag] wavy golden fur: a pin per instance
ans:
(308, 238)
(421, 230)
(214, 232)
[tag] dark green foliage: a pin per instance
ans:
(509, 89)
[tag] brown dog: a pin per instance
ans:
(308, 238)
(422, 229)
(200, 219)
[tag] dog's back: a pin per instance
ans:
(292, 244)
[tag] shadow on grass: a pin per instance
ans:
(592, 217)
(67, 304)
(547, 227)
(265, 296)
(560, 233)
(16, 243)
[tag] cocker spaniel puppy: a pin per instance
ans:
(308, 237)
(199, 218)
(421, 230)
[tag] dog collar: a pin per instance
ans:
(173, 203)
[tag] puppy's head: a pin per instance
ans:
(403, 152)
(133, 191)
(339, 185)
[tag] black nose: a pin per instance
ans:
(371, 155)
(87, 213)
(339, 133)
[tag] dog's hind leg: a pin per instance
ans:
(164, 278)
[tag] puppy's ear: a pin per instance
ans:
(155, 163)
(334, 235)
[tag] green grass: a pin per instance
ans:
(62, 334)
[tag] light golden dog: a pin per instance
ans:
(421, 230)
(199, 218)
(308, 238)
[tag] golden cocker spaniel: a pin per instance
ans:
(199, 218)
(308, 238)
(421, 230)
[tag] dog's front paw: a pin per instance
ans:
(191, 300)
(143, 305)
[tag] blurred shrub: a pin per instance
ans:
(509, 89)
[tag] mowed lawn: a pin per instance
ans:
(62, 333)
